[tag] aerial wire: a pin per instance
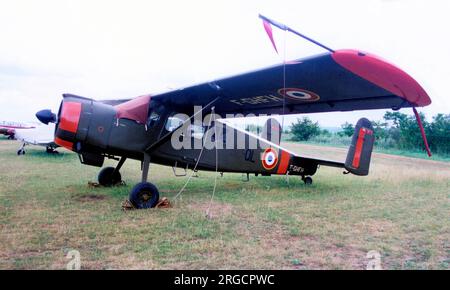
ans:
(217, 166)
(284, 84)
(196, 163)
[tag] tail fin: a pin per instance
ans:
(272, 131)
(360, 151)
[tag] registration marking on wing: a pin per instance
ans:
(258, 100)
(290, 94)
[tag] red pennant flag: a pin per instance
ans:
(268, 29)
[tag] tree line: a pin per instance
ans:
(396, 131)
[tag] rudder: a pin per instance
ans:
(360, 151)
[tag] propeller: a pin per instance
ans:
(46, 116)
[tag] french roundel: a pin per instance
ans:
(299, 94)
(269, 159)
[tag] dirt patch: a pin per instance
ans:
(216, 209)
(89, 197)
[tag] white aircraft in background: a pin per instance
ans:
(41, 135)
(9, 128)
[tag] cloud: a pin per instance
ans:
(121, 49)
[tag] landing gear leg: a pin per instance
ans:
(145, 167)
(21, 150)
(110, 176)
(144, 194)
(51, 150)
(119, 165)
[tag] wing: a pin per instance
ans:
(345, 80)
(114, 102)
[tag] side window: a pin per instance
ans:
(173, 122)
(197, 131)
(153, 119)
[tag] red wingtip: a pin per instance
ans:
(383, 74)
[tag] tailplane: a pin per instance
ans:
(272, 131)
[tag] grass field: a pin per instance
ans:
(401, 209)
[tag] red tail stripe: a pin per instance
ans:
(284, 162)
(359, 146)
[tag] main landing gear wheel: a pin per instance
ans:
(109, 176)
(144, 195)
(307, 180)
(21, 152)
(51, 150)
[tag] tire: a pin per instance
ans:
(308, 180)
(144, 195)
(51, 150)
(107, 177)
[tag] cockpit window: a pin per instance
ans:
(153, 118)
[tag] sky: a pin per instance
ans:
(122, 49)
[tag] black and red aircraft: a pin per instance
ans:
(147, 127)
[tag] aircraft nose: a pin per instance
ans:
(46, 116)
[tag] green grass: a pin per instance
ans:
(47, 209)
(391, 151)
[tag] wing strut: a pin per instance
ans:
(267, 22)
(422, 131)
(167, 137)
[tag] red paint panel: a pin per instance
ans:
(284, 162)
(135, 109)
(359, 146)
(64, 143)
(70, 116)
(383, 74)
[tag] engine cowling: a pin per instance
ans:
(91, 128)
(84, 125)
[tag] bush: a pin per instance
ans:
(304, 129)
(396, 131)
(347, 130)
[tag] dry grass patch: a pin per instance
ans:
(400, 210)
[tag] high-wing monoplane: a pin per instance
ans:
(185, 128)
